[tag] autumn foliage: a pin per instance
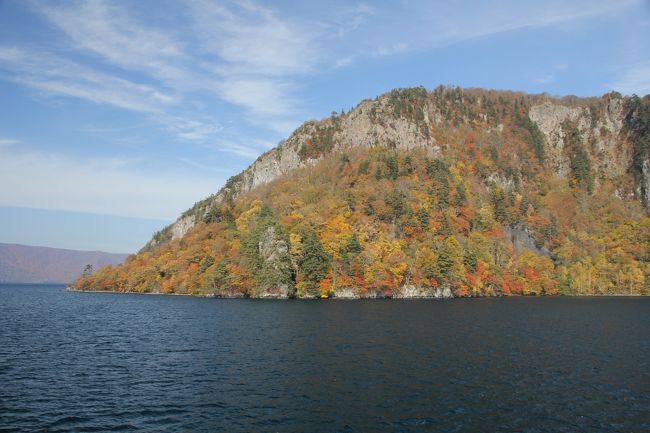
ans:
(376, 220)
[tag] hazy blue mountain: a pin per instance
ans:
(29, 264)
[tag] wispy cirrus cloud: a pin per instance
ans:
(257, 58)
(247, 56)
(110, 32)
(191, 129)
(5, 141)
(459, 21)
(551, 74)
(245, 49)
(352, 18)
(251, 39)
(422, 24)
(269, 102)
(238, 148)
(635, 79)
(56, 75)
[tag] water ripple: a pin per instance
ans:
(82, 362)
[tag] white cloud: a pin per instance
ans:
(202, 166)
(55, 75)
(352, 18)
(343, 62)
(251, 39)
(236, 149)
(4, 141)
(262, 96)
(551, 75)
(58, 76)
(194, 129)
(635, 79)
(257, 57)
(247, 55)
(391, 49)
(110, 186)
(104, 29)
(464, 21)
(422, 24)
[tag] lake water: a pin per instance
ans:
(73, 362)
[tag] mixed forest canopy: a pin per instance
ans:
(482, 202)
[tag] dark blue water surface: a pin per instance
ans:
(73, 362)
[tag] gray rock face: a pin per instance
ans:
(601, 139)
(407, 291)
(271, 247)
(414, 292)
(521, 240)
(274, 252)
(549, 118)
(644, 188)
(358, 129)
(505, 183)
(182, 226)
(345, 293)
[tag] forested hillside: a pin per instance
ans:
(416, 194)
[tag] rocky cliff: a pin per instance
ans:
(599, 123)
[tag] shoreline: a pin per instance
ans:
(616, 295)
(70, 289)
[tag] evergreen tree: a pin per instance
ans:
(423, 218)
(499, 203)
(442, 193)
(206, 262)
(369, 207)
(392, 167)
(408, 165)
(450, 261)
(461, 195)
(534, 137)
(396, 200)
(579, 160)
(314, 263)
(353, 247)
(217, 278)
(364, 166)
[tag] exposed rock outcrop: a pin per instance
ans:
(521, 240)
(273, 251)
(413, 292)
(600, 132)
(182, 226)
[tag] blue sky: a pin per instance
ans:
(135, 110)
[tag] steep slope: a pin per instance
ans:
(411, 118)
(29, 264)
(463, 192)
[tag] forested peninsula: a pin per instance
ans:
(449, 193)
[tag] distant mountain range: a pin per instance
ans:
(29, 264)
